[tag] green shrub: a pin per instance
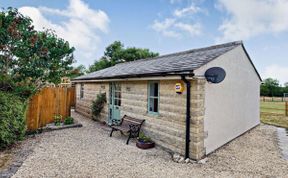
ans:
(68, 120)
(98, 105)
(23, 89)
(143, 138)
(12, 119)
(6, 83)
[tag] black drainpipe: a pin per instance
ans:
(188, 115)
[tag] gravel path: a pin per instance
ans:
(12, 158)
(89, 152)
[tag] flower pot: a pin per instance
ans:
(145, 145)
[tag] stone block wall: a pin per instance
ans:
(91, 90)
(168, 127)
(197, 150)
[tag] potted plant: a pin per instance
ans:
(57, 119)
(144, 142)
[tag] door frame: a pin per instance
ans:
(114, 102)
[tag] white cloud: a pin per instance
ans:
(250, 18)
(179, 23)
(81, 26)
(171, 28)
(192, 29)
(277, 72)
(187, 11)
(164, 28)
(164, 25)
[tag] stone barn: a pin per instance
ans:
(183, 112)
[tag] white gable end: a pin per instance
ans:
(232, 106)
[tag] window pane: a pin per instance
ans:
(155, 89)
(117, 102)
(151, 105)
(110, 94)
(153, 97)
(110, 98)
(81, 90)
(151, 89)
(155, 100)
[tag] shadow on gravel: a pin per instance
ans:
(12, 158)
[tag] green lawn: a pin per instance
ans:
(273, 107)
(273, 113)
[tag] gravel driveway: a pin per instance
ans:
(90, 152)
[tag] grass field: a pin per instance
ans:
(273, 107)
(273, 113)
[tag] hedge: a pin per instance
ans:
(12, 119)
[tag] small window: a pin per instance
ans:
(117, 97)
(81, 91)
(153, 97)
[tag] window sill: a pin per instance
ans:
(154, 114)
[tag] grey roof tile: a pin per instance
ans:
(165, 64)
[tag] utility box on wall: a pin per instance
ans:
(179, 88)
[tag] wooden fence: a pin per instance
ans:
(276, 107)
(47, 103)
(273, 99)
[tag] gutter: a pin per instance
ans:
(130, 79)
(188, 115)
(119, 77)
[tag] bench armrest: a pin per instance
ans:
(134, 129)
(116, 122)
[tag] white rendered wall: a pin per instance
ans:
(232, 106)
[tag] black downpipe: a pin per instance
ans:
(188, 116)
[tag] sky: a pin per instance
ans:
(167, 26)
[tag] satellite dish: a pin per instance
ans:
(215, 75)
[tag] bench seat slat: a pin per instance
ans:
(122, 128)
(131, 119)
(131, 122)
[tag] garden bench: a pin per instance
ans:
(128, 125)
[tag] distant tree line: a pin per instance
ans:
(115, 53)
(271, 87)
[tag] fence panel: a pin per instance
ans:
(47, 103)
(276, 107)
(273, 99)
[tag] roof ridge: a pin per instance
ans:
(187, 51)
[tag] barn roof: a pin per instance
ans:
(170, 64)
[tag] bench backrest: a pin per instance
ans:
(130, 120)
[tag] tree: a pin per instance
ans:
(100, 64)
(116, 53)
(76, 71)
(270, 87)
(29, 57)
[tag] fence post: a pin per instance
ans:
(286, 108)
